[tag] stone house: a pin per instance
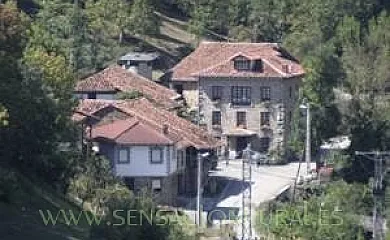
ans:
(139, 63)
(148, 147)
(110, 82)
(243, 92)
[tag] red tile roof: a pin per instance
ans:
(130, 131)
(115, 78)
(214, 59)
(180, 130)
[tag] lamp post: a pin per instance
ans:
(306, 106)
(199, 191)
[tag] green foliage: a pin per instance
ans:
(94, 181)
(130, 95)
(60, 27)
(329, 215)
(365, 61)
(143, 20)
(267, 19)
(139, 218)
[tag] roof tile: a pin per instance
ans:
(115, 78)
(213, 59)
(180, 130)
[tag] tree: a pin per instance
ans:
(327, 215)
(38, 106)
(209, 16)
(366, 62)
(61, 27)
(12, 29)
(267, 20)
(143, 20)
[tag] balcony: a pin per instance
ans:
(265, 126)
(216, 127)
(216, 102)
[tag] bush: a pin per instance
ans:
(8, 185)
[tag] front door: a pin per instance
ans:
(242, 143)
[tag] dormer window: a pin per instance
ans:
(257, 65)
(242, 64)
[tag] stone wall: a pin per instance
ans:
(281, 103)
(169, 188)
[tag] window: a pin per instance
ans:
(156, 155)
(156, 185)
(387, 90)
(241, 95)
(216, 92)
(280, 117)
(180, 159)
(216, 118)
(179, 88)
(124, 155)
(264, 144)
(264, 118)
(242, 64)
(129, 182)
(92, 95)
(265, 93)
(257, 66)
(241, 119)
(290, 92)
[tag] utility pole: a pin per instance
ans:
(306, 106)
(377, 191)
(247, 194)
(199, 192)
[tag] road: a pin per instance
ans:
(267, 183)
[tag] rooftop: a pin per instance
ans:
(117, 79)
(215, 59)
(138, 56)
(179, 130)
(130, 131)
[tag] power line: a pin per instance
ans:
(378, 232)
(247, 195)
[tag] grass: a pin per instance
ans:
(20, 217)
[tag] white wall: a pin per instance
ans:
(140, 165)
(98, 96)
(80, 96)
(105, 96)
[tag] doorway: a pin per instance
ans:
(241, 144)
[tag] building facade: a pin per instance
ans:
(149, 147)
(243, 92)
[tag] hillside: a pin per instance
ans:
(20, 213)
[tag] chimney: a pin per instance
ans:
(165, 128)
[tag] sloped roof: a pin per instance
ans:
(115, 78)
(214, 59)
(139, 56)
(179, 130)
(130, 131)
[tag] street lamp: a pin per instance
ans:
(306, 106)
(199, 191)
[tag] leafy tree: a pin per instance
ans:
(366, 63)
(143, 20)
(267, 20)
(60, 27)
(329, 215)
(37, 104)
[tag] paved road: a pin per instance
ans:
(267, 182)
